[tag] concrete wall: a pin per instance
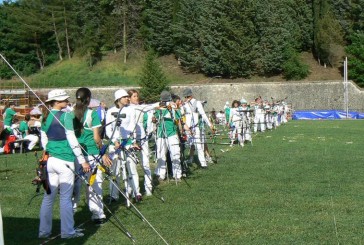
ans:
(301, 95)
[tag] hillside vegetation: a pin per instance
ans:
(111, 71)
(226, 39)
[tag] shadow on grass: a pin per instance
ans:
(25, 230)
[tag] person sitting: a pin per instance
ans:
(25, 133)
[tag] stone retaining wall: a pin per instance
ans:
(301, 95)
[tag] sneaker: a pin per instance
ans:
(99, 221)
(203, 167)
(209, 160)
(160, 179)
(177, 179)
(138, 198)
(44, 236)
(111, 199)
(242, 145)
(148, 193)
(184, 175)
(75, 235)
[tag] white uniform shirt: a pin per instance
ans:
(193, 109)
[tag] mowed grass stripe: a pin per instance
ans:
(277, 191)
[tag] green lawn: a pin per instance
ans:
(299, 184)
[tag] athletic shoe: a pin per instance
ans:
(242, 145)
(148, 193)
(99, 221)
(75, 235)
(138, 198)
(203, 167)
(111, 199)
(44, 236)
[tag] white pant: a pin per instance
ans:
(269, 120)
(146, 165)
(238, 128)
(115, 168)
(33, 140)
(95, 203)
(259, 119)
(129, 172)
(59, 176)
(172, 144)
(197, 141)
(133, 177)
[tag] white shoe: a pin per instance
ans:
(148, 192)
(242, 145)
(44, 236)
(75, 235)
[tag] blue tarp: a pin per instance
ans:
(325, 114)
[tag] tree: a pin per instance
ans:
(90, 20)
(157, 28)
(328, 35)
(356, 58)
(152, 79)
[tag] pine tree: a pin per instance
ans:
(328, 34)
(157, 27)
(356, 58)
(90, 20)
(152, 79)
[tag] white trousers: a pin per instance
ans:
(172, 144)
(125, 166)
(269, 120)
(199, 146)
(237, 131)
(95, 203)
(146, 165)
(33, 140)
(59, 176)
(116, 171)
(259, 120)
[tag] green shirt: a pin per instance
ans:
(227, 114)
(166, 125)
(60, 149)
(9, 114)
(91, 120)
(23, 127)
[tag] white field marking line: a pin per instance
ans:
(333, 214)
(332, 207)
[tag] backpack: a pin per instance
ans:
(9, 140)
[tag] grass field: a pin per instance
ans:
(299, 184)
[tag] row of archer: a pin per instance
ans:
(77, 154)
(242, 119)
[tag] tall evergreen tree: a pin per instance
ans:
(356, 58)
(152, 79)
(157, 26)
(90, 20)
(328, 34)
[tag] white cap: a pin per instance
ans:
(227, 103)
(57, 94)
(243, 101)
(120, 93)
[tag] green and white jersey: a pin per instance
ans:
(58, 145)
(9, 114)
(90, 121)
(23, 127)
(166, 122)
